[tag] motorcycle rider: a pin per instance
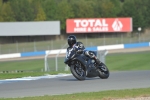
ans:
(79, 47)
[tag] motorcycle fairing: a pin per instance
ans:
(86, 62)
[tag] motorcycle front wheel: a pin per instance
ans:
(103, 71)
(78, 72)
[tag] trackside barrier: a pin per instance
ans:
(111, 47)
(14, 55)
(37, 53)
(136, 45)
(107, 47)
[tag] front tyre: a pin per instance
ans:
(78, 72)
(103, 71)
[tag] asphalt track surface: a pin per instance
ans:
(68, 84)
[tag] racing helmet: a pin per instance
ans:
(71, 40)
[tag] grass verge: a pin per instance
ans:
(103, 95)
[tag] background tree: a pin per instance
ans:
(49, 10)
(40, 16)
(1, 18)
(23, 10)
(6, 12)
(49, 7)
(117, 7)
(63, 12)
(83, 9)
(108, 8)
(146, 12)
(132, 9)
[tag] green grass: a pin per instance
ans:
(103, 95)
(129, 61)
(32, 65)
(22, 65)
(115, 62)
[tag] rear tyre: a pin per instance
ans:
(103, 71)
(78, 72)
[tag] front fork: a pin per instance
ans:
(102, 67)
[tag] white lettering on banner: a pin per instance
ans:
(90, 22)
(89, 30)
(98, 29)
(79, 29)
(117, 25)
(94, 29)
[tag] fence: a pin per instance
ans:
(97, 40)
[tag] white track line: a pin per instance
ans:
(32, 78)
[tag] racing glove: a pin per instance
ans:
(80, 51)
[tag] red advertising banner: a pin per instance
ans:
(89, 25)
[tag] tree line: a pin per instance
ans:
(49, 10)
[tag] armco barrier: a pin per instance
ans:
(92, 48)
(111, 47)
(37, 53)
(55, 51)
(64, 50)
(14, 55)
(136, 45)
(95, 48)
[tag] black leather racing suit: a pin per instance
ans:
(80, 48)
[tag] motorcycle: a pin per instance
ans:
(82, 66)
